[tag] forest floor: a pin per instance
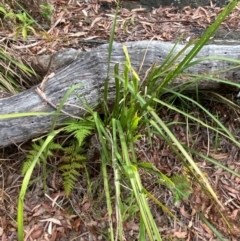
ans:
(50, 215)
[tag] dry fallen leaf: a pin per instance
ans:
(36, 234)
(184, 212)
(206, 228)
(131, 226)
(180, 234)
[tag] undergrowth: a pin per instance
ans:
(14, 74)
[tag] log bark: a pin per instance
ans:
(90, 69)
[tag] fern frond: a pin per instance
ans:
(69, 167)
(73, 161)
(26, 165)
(182, 187)
(36, 146)
(80, 129)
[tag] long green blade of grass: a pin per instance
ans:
(227, 133)
(215, 231)
(137, 187)
(25, 114)
(105, 158)
(213, 161)
(26, 182)
(116, 157)
(160, 126)
(198, 46)
(110, 47)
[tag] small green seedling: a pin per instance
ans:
(46, 11)
(24, 26)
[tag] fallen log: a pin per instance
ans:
(90, 69)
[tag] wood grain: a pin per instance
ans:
(91, 70)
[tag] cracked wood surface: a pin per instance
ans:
(90, 70)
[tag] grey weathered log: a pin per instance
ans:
(91, 70)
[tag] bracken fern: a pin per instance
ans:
(80, 129)
(72, 161)
(73, 158)
(183, 188)
(43, 157)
